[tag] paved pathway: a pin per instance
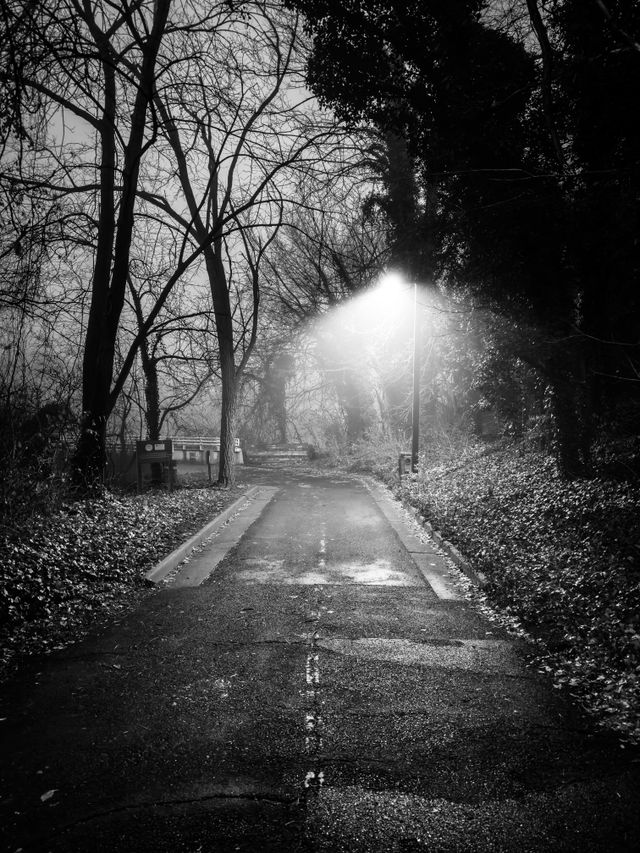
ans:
(326, 689)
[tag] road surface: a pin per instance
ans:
(323, 687)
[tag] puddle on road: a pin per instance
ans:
(261, 564)
(494, 656)
(377, 573)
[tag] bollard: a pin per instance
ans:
(404, 464)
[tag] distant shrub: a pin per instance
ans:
(375, 455)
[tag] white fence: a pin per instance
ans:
(193, 449)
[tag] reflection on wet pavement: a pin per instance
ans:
(380, 572)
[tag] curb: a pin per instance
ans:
(169, 563)
(450, 550)
(478, 578)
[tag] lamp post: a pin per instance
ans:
(391, 282)
(415, 408)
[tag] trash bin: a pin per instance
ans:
(404, 464)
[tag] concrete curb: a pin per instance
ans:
(168, 564)
(477, 578)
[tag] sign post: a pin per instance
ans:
(155, 453)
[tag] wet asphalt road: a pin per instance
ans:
(327, 688)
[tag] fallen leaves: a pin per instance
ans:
(61, 569)
(563, 558)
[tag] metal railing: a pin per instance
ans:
(205, 441)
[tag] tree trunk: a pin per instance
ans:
(228, 373)
(112, 255)
(90, 455)
(89, 459)
(275, 385)
(571, 413)
(226, 467)
(151, 393)
(152, 398)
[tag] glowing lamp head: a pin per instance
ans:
(391, 282)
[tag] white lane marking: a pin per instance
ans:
(322, 563)
(313, 738)
(314, 779)
(313, 671)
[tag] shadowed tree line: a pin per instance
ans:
(517, 190)
(177, 212)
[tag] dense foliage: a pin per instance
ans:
(518, 118)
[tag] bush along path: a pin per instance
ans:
(62, 570)
(561, 558)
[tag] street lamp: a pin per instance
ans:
(415, 408)
(393, 281)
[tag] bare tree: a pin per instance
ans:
(242, 131)
(175, 357)
(97, 62)
(189, 117)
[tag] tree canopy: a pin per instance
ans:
(519, 118)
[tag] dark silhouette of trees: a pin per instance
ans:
(520, 121)
(98, 63)
(181, 123)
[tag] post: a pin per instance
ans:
(415, 410)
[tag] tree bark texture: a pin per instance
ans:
(228, 374)
(152, 398)
(226, 465)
